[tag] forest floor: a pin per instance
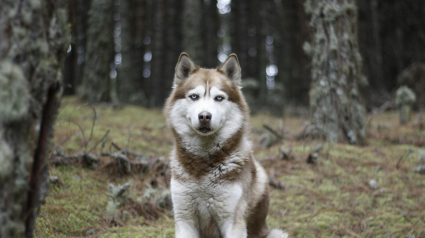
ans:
(333, 198)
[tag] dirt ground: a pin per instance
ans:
(351, 191)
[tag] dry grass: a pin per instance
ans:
(331, 199)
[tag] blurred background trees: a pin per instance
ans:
(135, 62)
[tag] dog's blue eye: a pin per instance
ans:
(219, 98)
(194, 96)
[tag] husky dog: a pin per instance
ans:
(218, 189)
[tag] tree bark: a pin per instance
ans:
(80, 37)
(292, 61)
(192, 33)
(211, 25)
(34, 36)
(336, 71)
(239, 32)
(157, 96)
(99, 53)
(74, 61)
(173, 42)
(130, 74)
(70, 63)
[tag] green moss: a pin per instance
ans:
(328, 200)
(14, 95)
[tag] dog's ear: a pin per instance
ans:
(232, 69)
(185, 66)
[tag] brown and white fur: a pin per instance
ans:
(218, 189)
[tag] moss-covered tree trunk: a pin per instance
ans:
(99, 51)
(336, 74)
(34, 36)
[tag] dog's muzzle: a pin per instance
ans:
(204, 119)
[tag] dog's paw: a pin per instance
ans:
(276, 233)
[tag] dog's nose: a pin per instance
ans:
(204, 117)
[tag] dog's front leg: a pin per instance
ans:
(186, 229)
(235, 226)
(236, 230)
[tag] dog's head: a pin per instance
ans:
(207, 101)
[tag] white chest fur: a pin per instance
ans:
(197, 205)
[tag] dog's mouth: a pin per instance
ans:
(204, 129)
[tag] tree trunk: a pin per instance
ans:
(292, 61)
(130, 75)
(262, 59)
(71, 56)
(99, 53)
(34, 36)
(157, 96)
(192, 32)
(211, 25)
(80, 38)
(336, 71)
(173, 42)
(239, 33)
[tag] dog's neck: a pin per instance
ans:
(205, 146)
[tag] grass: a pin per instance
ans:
(331, 199)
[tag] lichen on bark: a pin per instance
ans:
(405, 97)
(14, 96)
(335, 102)
(33, 40)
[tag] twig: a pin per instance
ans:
(276, 184)
(121, 159)
(126, 151)
(82, 132)
(92, 127)
(128, 139)
(93, 124)
(403, 156)
(318, 148)
(44, 231)
(275, 133)
(116, 146)
(103, 140)
(286, 154)
(378, 111)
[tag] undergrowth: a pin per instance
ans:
(330, 199)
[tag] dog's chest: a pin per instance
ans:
(217, 201)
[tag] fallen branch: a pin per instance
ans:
(121, 160)
(286, 154)
(403, 156)
(103, 140)
(312, 158)
(310, 131)
(275, 133)
(140, 155)
(276, 184)
(378, 111)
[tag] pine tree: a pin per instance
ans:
(99, 52)
(335, 103)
